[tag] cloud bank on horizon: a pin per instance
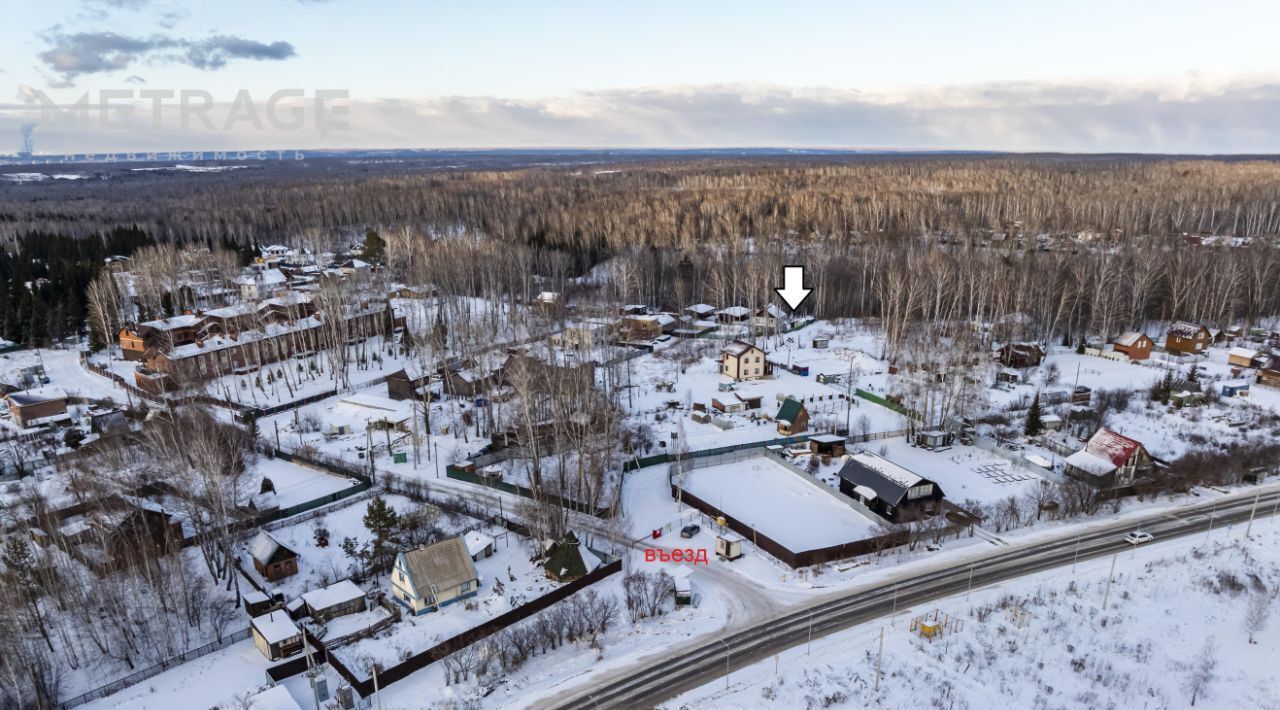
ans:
(551, 84)
(1191, 116)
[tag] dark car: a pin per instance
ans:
(689, 530)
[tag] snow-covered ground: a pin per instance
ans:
(783, 504)
(507, 580)
(691, 368)
(1045, 641)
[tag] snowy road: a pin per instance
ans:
(683, 668)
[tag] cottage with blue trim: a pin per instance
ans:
(434, 576)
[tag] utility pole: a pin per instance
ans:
(376, 694)
(726, 663)
(970, 589)
(879, 658)
(437, 458)
(1212, 512)
(1253, 511)
(1107, 593)
(416, 457)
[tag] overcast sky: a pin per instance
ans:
(1119, 75)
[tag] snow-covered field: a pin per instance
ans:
(780, 503)
(1176, 612)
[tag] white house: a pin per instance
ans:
(434, 576)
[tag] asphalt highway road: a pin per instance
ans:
(649, 684)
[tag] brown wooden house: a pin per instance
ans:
(1269, 374)
(1136, 345)
(1187, 338)
(271, 558)
(792, 418)
(1021, 355)
(37, 406)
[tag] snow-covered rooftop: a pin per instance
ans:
(274, 698)
(1090, 463)
(332, 595)
(476, 542)
(887, 469)
(275, 627)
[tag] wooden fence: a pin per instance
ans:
(415, 663)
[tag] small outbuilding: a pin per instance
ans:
(792, 418)
(337, 599)
(728, 546)
(934, 439)
(1244, 358)
(1235, 388)
(479, 545)
(569, 560)
(275, 635)
(827, 444)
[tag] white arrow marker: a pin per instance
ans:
(793, 291)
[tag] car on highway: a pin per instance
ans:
(1137, 537)
(689, 530)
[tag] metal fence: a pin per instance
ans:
(646, 461)
(157, 669)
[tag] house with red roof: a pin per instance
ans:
(1110, 460)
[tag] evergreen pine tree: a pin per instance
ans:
(381, 520)
(1034, 423)
(1165, 388)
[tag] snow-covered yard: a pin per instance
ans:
(780, 503)
(508, 579)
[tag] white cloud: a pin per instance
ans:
(1191, 114)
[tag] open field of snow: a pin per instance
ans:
(780, 503)
(1045, 641)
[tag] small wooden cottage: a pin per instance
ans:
(792, 418)
(1020, 355)
(1187, 338)
(38, 406)
(272, 559)
(1134, 344)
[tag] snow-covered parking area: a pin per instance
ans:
(780, 503)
